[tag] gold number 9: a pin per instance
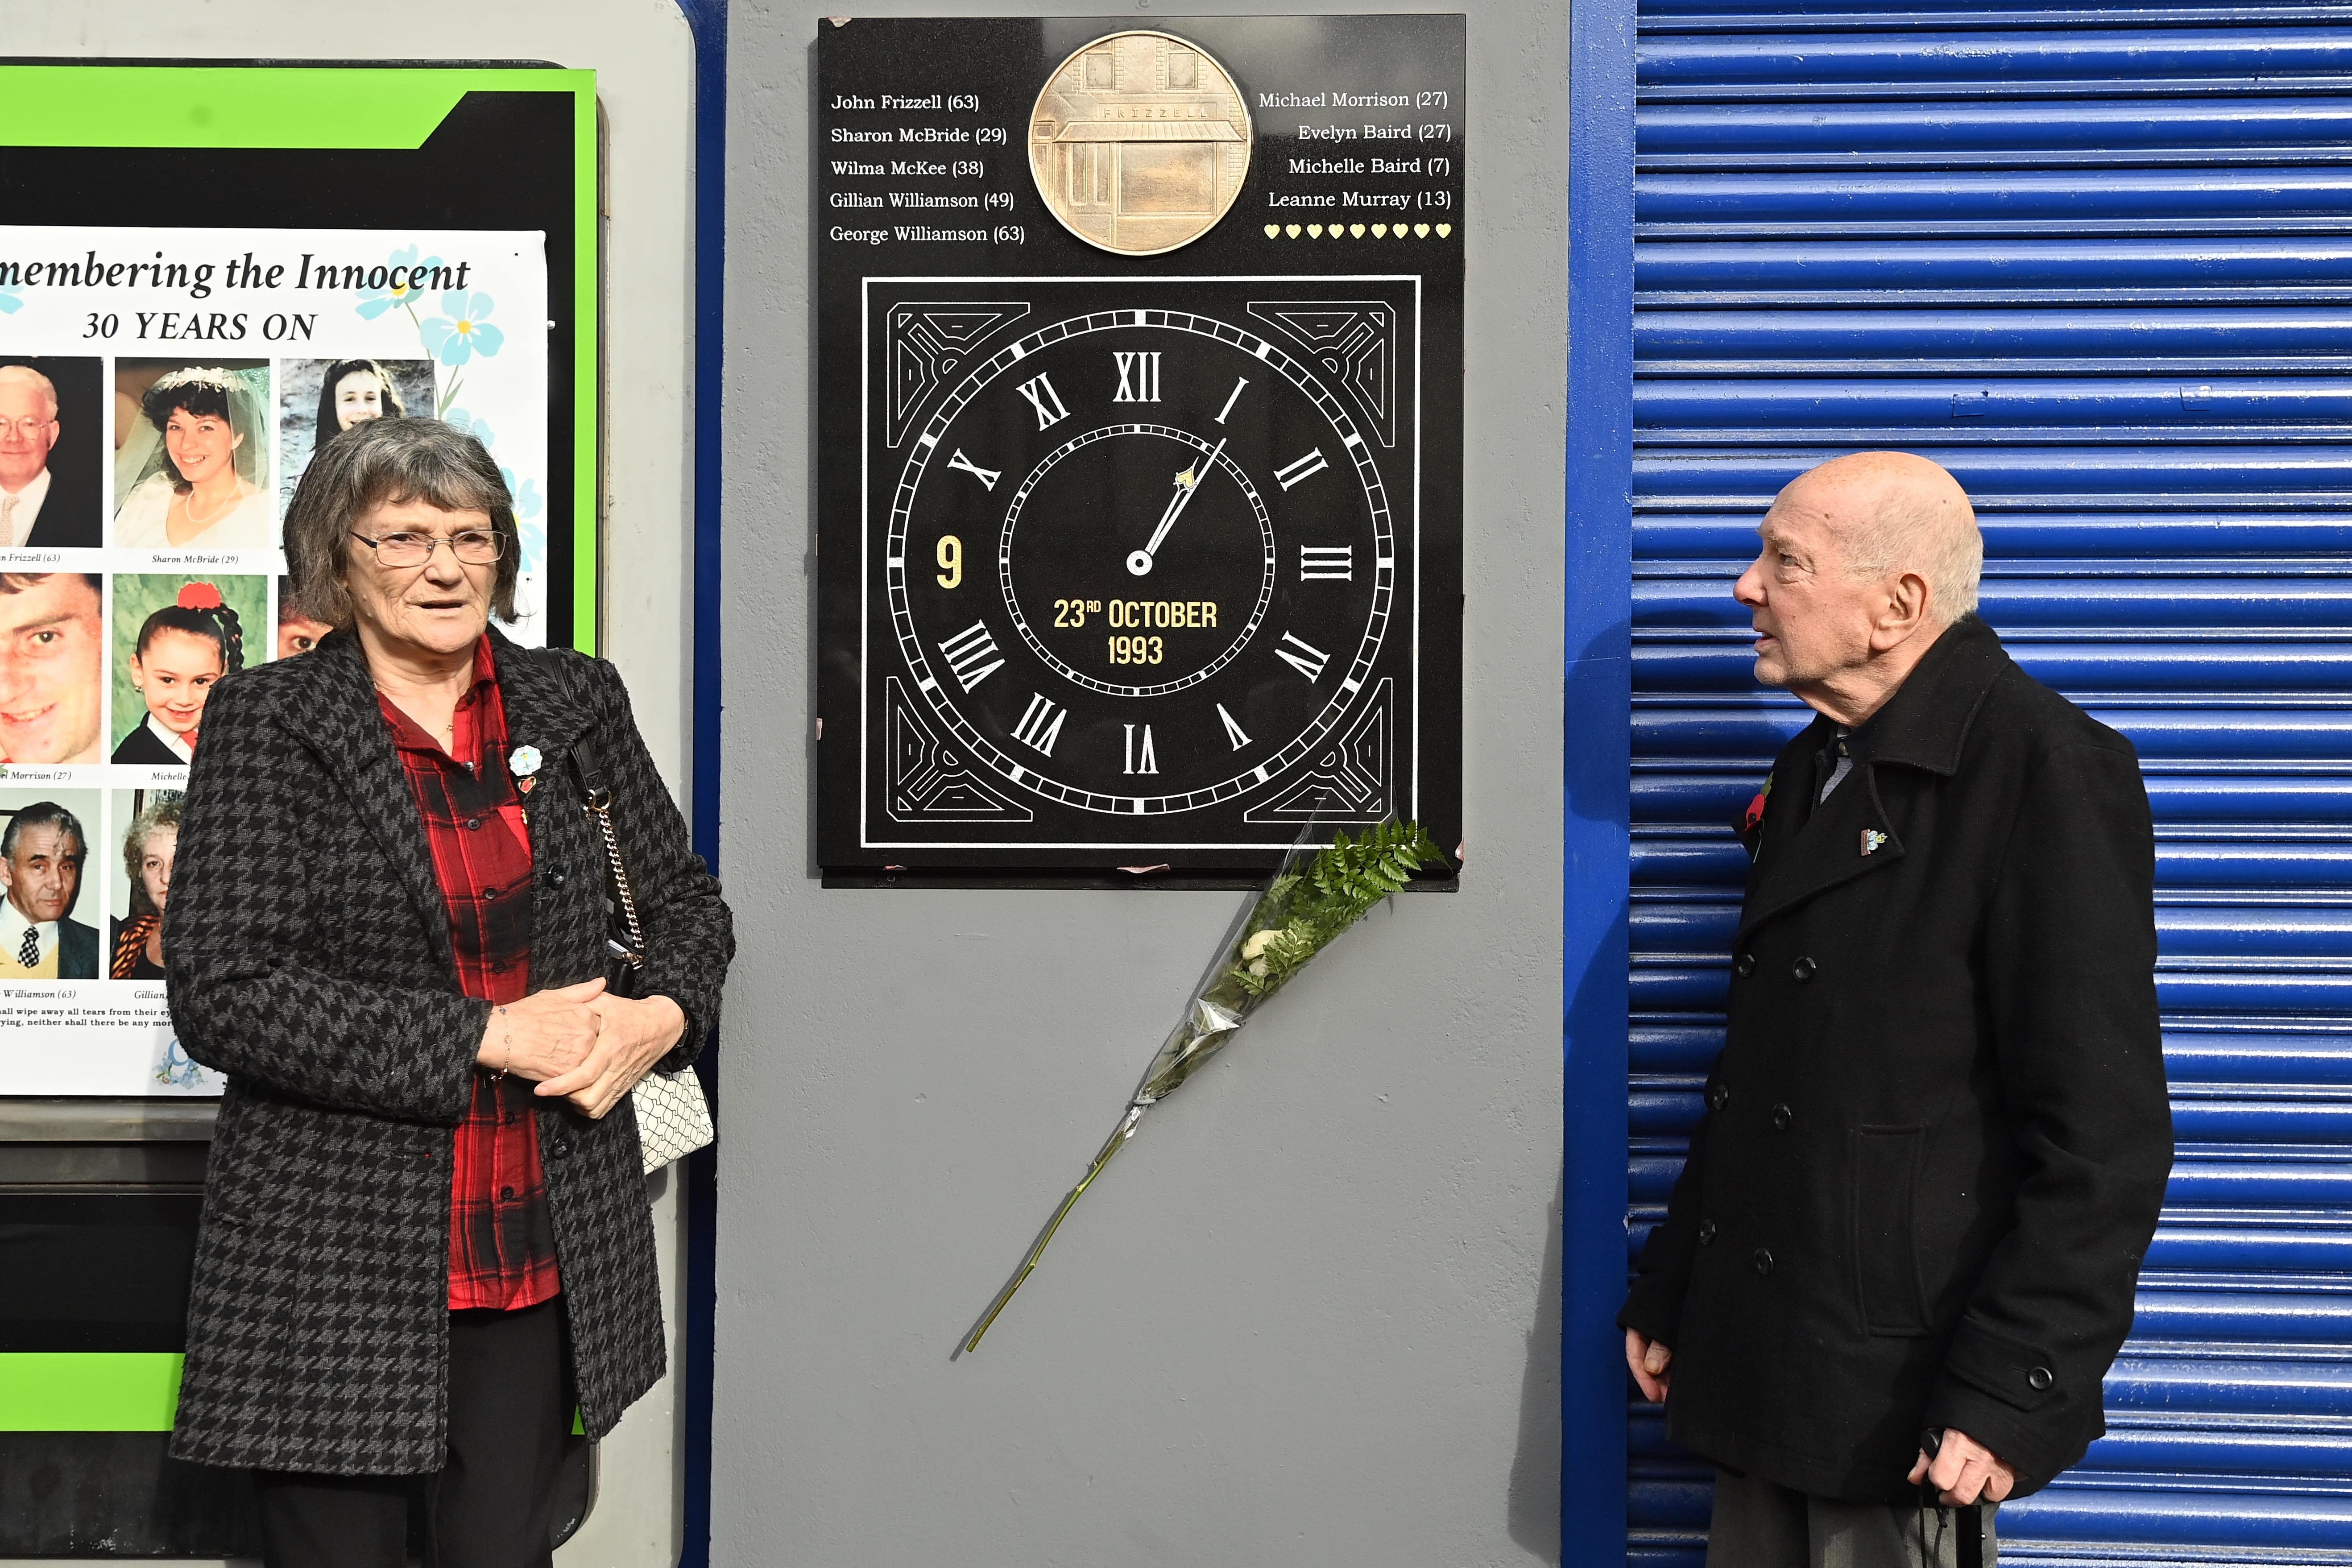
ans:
(951, 561)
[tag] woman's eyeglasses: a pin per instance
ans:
(475, 547)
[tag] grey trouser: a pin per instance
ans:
(1760, 1525)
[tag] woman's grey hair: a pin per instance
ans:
(391, 462)
(153, 816)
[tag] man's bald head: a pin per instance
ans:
(1863, 563)
(1893, 513)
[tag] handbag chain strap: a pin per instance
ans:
(600, 807)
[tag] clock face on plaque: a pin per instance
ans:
(1140, 563)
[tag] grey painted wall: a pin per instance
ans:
(1311, 1315)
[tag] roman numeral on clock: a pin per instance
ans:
(1043, 398)
(1236, 397)
(1041, 724)
(1303, 657)
(1304, 467)
(972, 654)
(1143, 761)
(987, 476)
(1145, 385)
(1330, 563)
(1233, 731)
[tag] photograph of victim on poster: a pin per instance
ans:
(52, 650)
(174, 636)
(300, 626)
(192, 456)
(52, 430)
(47, 929)
(320, 399)
(146, 834)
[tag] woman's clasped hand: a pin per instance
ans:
(581, 1044)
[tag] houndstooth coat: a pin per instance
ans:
(309, 956)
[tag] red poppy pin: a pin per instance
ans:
(1750, 825)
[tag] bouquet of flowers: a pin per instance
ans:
(1309, 902)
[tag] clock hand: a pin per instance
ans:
(1186, 483)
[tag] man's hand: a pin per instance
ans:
(634, 1036)
(1964, 1471)
(1649, 1361)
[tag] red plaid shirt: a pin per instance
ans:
(502, 1239)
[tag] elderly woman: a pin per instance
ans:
(426, 1234)
(137, 942)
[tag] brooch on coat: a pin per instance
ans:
(1750, 825)
(523, 763)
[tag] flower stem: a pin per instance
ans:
(1028, 1265)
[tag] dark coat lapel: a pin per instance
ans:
(1924, 725)
(542, 709)
(1827, 850)
(327, 699)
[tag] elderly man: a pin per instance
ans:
(1902, 1256)
(52, 653)
(40, 509)
(41, 852)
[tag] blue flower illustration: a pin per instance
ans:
(479, 429)
(527, 498)
(528, 504)
(462, 333)
(9, 303)
(174, 1068)
(374, 302)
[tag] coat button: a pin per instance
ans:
(2039, 1378)
(561, 1148)
(1744, 965)
(473, 823)
(1782, 1117)
(1763, 1261)
(1718, 1097)
(1705, 1232)
(1803, 969)
(554, 877)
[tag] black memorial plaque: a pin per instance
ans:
(1140, 465)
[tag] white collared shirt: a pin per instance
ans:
(179, 743)
(12, 933)
(25, 512)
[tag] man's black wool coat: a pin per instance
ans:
(1938, 1136)
(309, 958)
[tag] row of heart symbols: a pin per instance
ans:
(1355, 230)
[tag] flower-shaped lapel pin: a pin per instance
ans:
(523, 763)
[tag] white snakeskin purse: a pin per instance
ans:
(673, 1118)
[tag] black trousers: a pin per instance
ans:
(488, 1506)
(1760, 1525)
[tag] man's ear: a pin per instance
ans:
(1901, 612)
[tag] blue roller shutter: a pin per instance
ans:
(2099, 264)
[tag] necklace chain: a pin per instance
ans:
(235, 496)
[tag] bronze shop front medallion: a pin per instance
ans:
(1139, 142)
